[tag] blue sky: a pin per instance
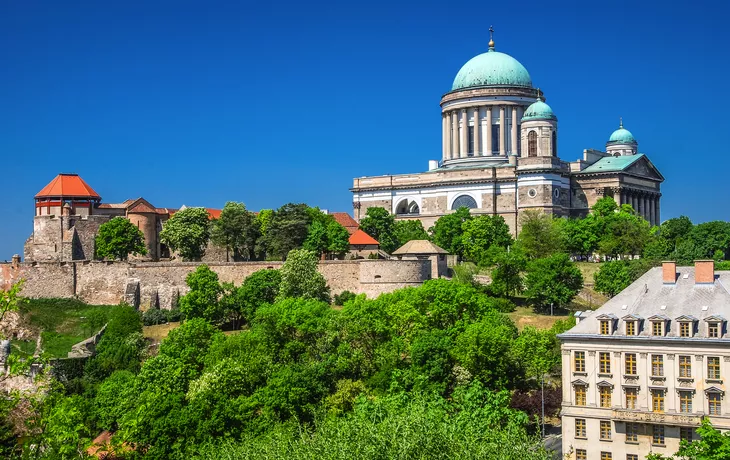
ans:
(200, 103)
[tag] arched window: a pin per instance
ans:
(407, 207)
(464, 201)
(532, 144)
(555, 143)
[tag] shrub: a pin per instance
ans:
(344, 296)
(154, 316)
(174, 315)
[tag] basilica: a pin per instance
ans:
(500, 156)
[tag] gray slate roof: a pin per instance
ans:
(649, 297)
(419, 247)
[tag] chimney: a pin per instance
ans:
(669, 272)
(15, 261)
(704, 271)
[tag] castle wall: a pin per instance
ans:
(161, 283)
(86, 231)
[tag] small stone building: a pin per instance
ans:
(362, 244)
(422, 250)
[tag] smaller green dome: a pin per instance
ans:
(622, 136)
(539, 111)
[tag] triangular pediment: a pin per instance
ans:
(140, 205)
(644, 168)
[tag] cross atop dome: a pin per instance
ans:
(491, 37)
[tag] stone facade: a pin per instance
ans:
(161, 283)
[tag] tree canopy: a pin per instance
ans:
(187, 232)
(236, 230)
(380, 224)
(118, 238)
(448, 230)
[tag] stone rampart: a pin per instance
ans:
(162, 283)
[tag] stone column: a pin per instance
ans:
(502, 130)
(444, 137)
(634, 202)
(513, 147)
(488, 134)
(653, 210)
(477, 128)
(623, 196)
(454, 134)
(462, 134)
(657, 215)
(645, 208)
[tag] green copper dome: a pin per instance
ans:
(539, 111)
(622, 136)
(492, 69)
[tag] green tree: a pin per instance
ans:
(507, 271)
(118, 238)
(287, 230)
(10, 300)
(203, 299)
(613, 277)
(409, 230)
(537, 351)
(338, 239)
(625, 234)
(605, 207)
(380, 224)
(187, 232)
(676, 228)
(300, 278)
(552, 280)
(263, 221)
(712, 445)
(539, 235)
(236, 230)
(316, 241)
(448, 230)
(480, 234)
(240, 303)
(579, 236)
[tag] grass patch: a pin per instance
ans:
(23, 348)
(65, 322)
(158, 332)
(526, 316)
(588, 269)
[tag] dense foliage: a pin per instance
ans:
(712, 445)
(236, 230)
(421, 371)
(118, 238)
(187, 232)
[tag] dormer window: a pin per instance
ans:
(686, 325)
(658, 325)
(630, 327)
(714, 326)
(605, 327)
(605, 324)
(632, 324)
(657, 328)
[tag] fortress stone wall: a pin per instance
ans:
(162, 283)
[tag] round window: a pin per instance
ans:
(532, 193)
(556, 193)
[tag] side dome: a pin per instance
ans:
(622, 136)
(492, 69)
(539, 111)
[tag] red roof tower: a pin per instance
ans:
(66, 189)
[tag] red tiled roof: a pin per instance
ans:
(360, 238)
(346, 221)
(68, 186)
(212, 213)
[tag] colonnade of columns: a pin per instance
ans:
(456, 124)
(645, 203)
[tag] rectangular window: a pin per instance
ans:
(657, 437)
(605, 430)
(470, 141)
(632, 457)
(580, 361)
(685, 434)
(631, 328)
(605, 396)
(606, 456)
(713, 330)
(604, 363)
(713, 400)
(632, 432)
(580, 395)
(495, 139)
(630, 360)
(684, 329)
(580, 428)
(685, 401)
(580, 454)
(685, 366)
(605, 327)
(713, 367)
(657, 400)
(657, 365)
(631, 396)
(657, 328)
